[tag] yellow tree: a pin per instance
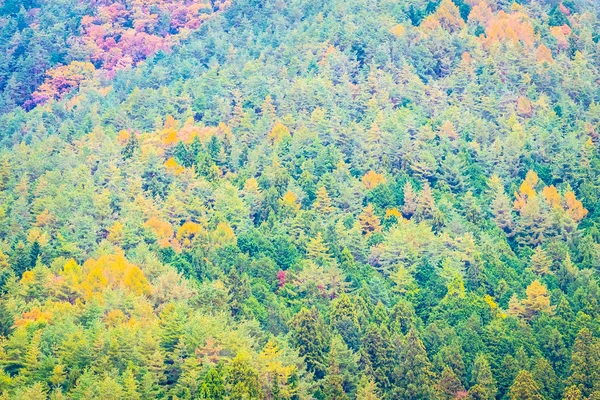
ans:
(369, 222)
(537, 301)
(318, 250)
(323, 203)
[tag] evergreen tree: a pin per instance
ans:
(312, 339)
(524, 387)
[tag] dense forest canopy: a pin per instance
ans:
(299, 199)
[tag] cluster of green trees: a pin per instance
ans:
(314, 199)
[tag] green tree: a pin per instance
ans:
(524, 387)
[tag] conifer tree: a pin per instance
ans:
(415, 378)
(481, 376)
(312, 339)
(524, 387)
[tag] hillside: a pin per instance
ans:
(269, 199)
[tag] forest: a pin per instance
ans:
(299, 199)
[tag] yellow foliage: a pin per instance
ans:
(113, 272)
(224, 235)
(172, 166)
(278, 133)
(116, 233)
(490, 302)
(169, 136)
(393, 212)
(27, 277)
(251, 186)
(290, 201)
(123, 136)
(187, 232)
(552, 196)
(372, 179)
(398, 30)
(36, 235)
(526, 190)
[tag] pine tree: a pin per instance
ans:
(130, 147)
(369, 222)
(481, 376)
(323, 203)
(213, 385)
(585, 363)
(317, 250)
(376, 355)
(501, 210)
(312, 339)
(367, 390)
(540, 263)
(242, 380)
(415, 378)
(524, 387)
(537, 300)
(410, 200)
(546, 378)
(449, 385)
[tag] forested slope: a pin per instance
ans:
(301, 199)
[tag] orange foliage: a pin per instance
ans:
(481, 13)
(447, 17)
(61, 80)
(574, 207)
(561, 33)
(398, 30)
(552, 196)
(447, 130)
(35, 315)
(372, 179)
(514, 27)
(543, 54)
(162, 230)
(524, 107)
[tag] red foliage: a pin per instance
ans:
(281, 277)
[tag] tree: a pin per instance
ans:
(241, 380)
(449, 385)
(312, 339)
(317, 250)
(410, 201)
(524, 388)
(323, 203)
(415, 378)
(540, 263)
(213, 385)
(369, 221)
(481, 376)
(585, 363)
(537, 300)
